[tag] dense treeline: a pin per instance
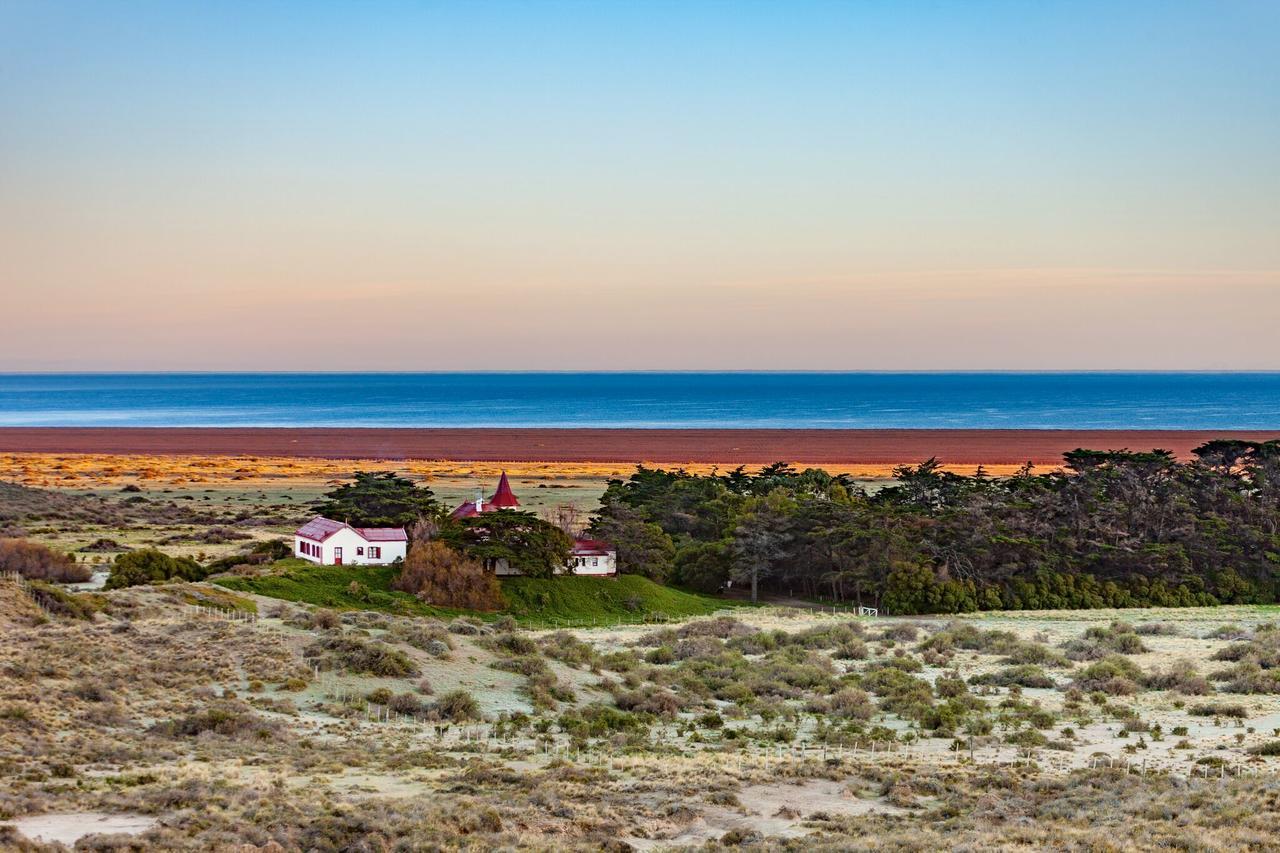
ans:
(1112, 529)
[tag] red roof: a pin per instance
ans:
(382, 534)
(320, 528)
(503, 498)
(591, 548)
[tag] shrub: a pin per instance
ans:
(902, 632)
(1157, 629)
(439, 575)
(698, 647)
(1034, 653)
(1248, 677)
(1025, 675)
(851, 650)
(1180, 677)
(1271, 747)
(227, 719)
(657, 701)
(358, 655)
(150, 566)
(513, 644)
(406, 703)
(456, 705)
(660, 655)
(1218, 709)
(92, 691)
(949, 686)
(36, 562)
(60, 602)
(423, 634)
(324, 619)
(568, 649)
(1027, 738)
(1114, 675)
(961, 635)
(851, 703)
(721, 627)
(601, 720)
(900, 693)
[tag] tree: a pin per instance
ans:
(150, 566)
(567, 517)
(37, 562)
(527, 543)
(379, 499)
(643, 547)
(761, 539)
(704, 566)
(439, 575)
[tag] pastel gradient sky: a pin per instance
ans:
(648, 185)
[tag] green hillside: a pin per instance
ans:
(561, 601)
(298, 580)
(580, 601)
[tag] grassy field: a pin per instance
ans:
(338, 587)
(556, 602)
(582, 601)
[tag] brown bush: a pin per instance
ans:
(658, 701)
(439, 575)
(36, 562)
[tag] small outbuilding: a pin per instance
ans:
(336, 543)
(593, 557)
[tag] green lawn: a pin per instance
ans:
(562, 601)
(581, 601)
(331, 586)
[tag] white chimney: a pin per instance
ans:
(479, 502)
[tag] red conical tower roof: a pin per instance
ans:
(504, 498)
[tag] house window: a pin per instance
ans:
(360, 551)
(375, 553)
(595, 561)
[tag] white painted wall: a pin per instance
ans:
(355, 550)
(606, 565)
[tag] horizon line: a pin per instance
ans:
(665, 371)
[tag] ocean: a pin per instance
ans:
(673, 400)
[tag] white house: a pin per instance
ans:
(593, 557)
(334, 543)
(588, 557)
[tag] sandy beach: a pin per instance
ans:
(671, 446)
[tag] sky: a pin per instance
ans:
(648, 185)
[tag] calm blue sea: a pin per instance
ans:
(726, 400)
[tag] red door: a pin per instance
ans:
(337, 556)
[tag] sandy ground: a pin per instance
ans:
(673, 446)
(70, 828)
(748, 786)
(775, 810)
